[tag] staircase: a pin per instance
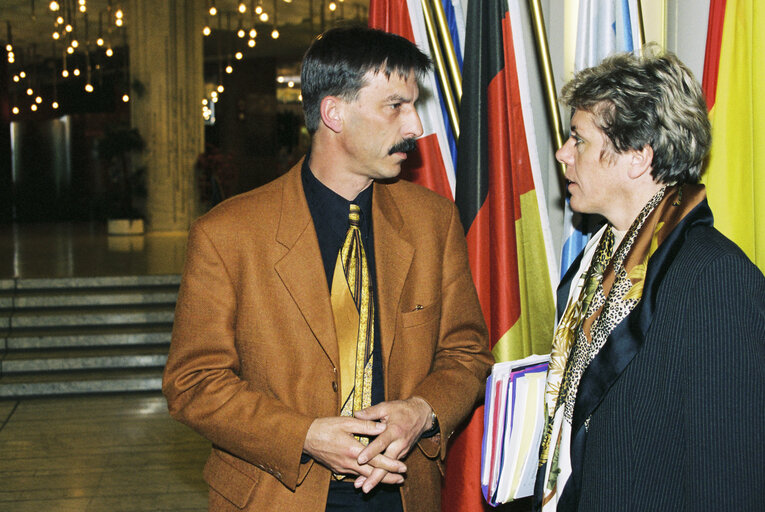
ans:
(84, 335)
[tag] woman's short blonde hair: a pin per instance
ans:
(652, 100)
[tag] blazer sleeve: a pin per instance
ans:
(462, 359)
(723, 395)
(201, 380)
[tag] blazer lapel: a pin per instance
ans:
(393, 257)
(627, 338)
(301, 267)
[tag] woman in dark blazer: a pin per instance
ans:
(656, 391)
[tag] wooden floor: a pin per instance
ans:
(99, 454)
(95, 453)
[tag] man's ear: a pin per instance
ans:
(331, 112)
(641, 161)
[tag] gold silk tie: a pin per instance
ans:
(353, 311)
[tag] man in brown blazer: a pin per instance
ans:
(255, 364)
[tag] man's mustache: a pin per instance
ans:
(405, 146)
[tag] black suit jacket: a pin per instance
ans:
(676, 397)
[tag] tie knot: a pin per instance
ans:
(354, 215)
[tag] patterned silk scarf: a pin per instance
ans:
(607, 292)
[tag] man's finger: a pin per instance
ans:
(388, 464)
(374, 448)
(365, 427)
(375, 412)
(377, 476)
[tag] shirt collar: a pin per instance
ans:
(332, 206)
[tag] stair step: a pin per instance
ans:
(83, 359)
(162, 313)
(89, 282)
(85, 335)
(81, 382)
(97, 337)
(89, 297)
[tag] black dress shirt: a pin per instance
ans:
(330, 218)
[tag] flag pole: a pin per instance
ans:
(451, 54)
(641, 28)
(438, 59)
(544, 56)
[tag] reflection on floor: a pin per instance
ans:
(77, 250)
(118, 452)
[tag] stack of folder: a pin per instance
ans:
(513, 424)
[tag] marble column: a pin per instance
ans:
(166, 62)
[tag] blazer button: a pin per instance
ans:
(334, 386)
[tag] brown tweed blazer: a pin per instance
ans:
(254, 354)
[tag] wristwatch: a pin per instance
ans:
(434, 428)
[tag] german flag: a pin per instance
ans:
(502, 208)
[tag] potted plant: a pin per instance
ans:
(126, 180)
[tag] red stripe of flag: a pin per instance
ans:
(712, 55)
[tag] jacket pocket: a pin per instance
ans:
(222, 474)
(419, 314)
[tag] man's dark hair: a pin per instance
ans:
(337, 62)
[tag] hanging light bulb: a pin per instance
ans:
(56, 35)
(264, 16)
(38, 99)
(332, 6)
(109, 52)
(88, 88)
(76, 71)
(83, 8)
(69, 50)
(54, 105)
(22, 74)
(68, 27)
(274, 34)
(290, 84)
(60, 20)
(64, 73)
(206, 31)
(75, 43)
(53, 6)
(33, 108)
(118, 22)
(238, 55)
(100, 41)
(15, 110)
(125, 98)
(241, 33)
(220, 88)
(253, 33)
(242, 8)
(30, 91)
(229, 69)
(258, 10)
(16, 78)
(251, 43)
(213, 10)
